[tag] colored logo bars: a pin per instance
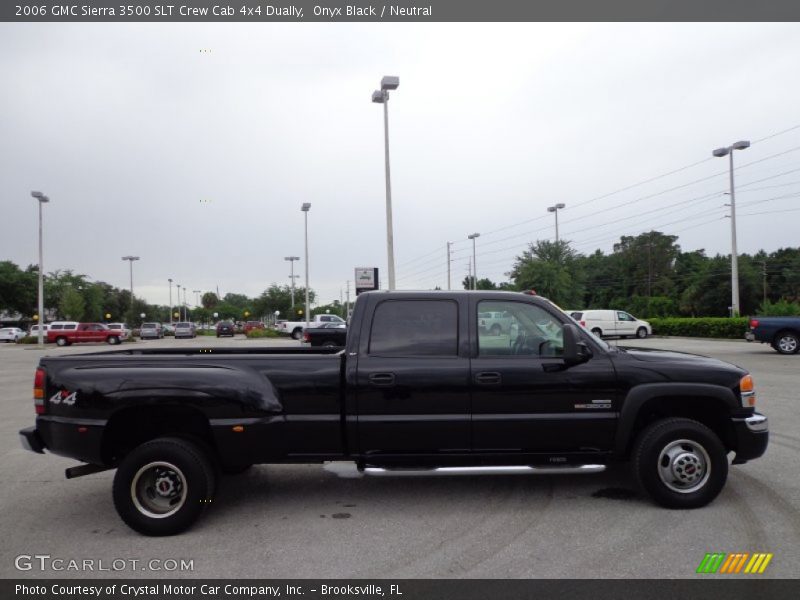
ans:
(739, 562)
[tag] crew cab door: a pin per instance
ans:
(412, 382)
(525, 399)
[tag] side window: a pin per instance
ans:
(70, 327)
(415, 328)
(623, 316)
(518, 329)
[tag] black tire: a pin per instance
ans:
(168, 462)
(641, 333)
(597, 331)
(62, 341)
(786, 342)
(680, 463)
(113, 340)
(495, 329)
(297, 334)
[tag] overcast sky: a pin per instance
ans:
(198, 162)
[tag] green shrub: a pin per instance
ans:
(708, 327)
(261, 333)
(781, 308)
(30, 339)
(206, 332)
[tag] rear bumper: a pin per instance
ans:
(752, 437)
(30, 440)
(750, 336)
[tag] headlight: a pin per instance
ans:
(747, 391)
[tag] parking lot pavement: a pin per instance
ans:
(300, 521)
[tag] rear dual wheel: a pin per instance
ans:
(162, 487)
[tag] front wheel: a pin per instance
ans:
(113, 340)
(297, 334)
(786, 342)
(680, 463)
(162, 486)
(641, 333)
(62, 341)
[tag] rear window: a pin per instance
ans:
(415, 328)
(72, 326)
(148, 325)
(576, 315)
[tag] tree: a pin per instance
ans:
(483, 284)
(552, 269)
(72, 304)
(209, 300)
(18, 288)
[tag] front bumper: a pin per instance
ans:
(752, 437)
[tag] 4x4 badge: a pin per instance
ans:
(64, 397)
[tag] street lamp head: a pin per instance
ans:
(720, 152)
(551, 209)
(390, 82)
(40, 196)
(473, 236)
(306, 206)
(741, 145)
(130, 258)
(291, 258)
(378, 97)
(561, 205)
(170, 280)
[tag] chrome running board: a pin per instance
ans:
(349, 470)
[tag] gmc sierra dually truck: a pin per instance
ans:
(419, 386)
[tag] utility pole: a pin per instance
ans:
(448, 264)
(764, 265)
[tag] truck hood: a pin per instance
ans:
(667, 363)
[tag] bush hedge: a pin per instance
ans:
(708, 327)
(261, 333)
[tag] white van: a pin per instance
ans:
(612, 322)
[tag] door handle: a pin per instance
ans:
(488, 378)
(383, 379)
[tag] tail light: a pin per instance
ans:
(753, 323)
(38, 391)
(306, 337)
(747, 391)
(583, 323)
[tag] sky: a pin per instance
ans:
(193, 146)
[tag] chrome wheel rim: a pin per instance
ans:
(684, 466)
(788, 343)
(159, 490)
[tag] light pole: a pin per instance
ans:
(178, 285)
(720, 152)
(170, 301)
(291, 260)
(554, 209)
(305, 208)
(196, 298)
(42, 199)
(474, 264)
(381, 96)
(185, 305)
(130, 260)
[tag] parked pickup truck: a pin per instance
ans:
(74, 333)
(326, 334)
(782, 333)
(418, 387)
(295, 328)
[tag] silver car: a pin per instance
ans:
(185, 329)
(151, 331)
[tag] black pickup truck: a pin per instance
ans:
(419, 386)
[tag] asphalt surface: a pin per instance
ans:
(298, 521)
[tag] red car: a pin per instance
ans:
(73, 333)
